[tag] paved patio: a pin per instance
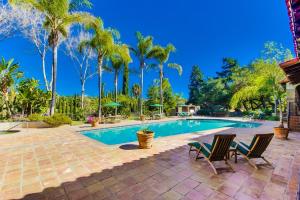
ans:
(62, 164)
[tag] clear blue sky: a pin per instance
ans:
(203, 32)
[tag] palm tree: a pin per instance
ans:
(142, 51)
(8, 74)
(58, 18)
(119, 59)
(103, 43)
(161, 54)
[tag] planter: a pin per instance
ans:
(142, 117)
(281, 133)
(95, 122)
(145, 139)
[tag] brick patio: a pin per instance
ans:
(62, 164)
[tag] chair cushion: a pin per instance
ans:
(203, 150)
(195, 144)
(241, 148)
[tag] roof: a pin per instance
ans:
(292, 70)
(293, 7)
(292, 67)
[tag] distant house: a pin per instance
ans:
(189, 109)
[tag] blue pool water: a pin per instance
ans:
(125, 134)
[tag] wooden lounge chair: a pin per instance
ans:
(259, 144)
(217, 151)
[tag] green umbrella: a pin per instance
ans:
(112, 104)
(181, 105)
(156, 105)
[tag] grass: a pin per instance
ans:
(76, 123)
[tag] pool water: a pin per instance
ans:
(125, 134)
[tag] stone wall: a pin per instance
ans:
(294, 123)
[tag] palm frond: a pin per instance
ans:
(76, 4)
(177, 67)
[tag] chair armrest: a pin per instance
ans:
(206, 149)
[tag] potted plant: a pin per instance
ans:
(145, 138)
(95, 122)
(142, 117)
(281, 132)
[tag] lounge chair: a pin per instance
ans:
(259, 144)
(217, 151)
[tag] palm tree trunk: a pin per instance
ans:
(54, 77)
(116, 90)
(44, 70)
(142, 86)
(161, 87)
(7, 105)
(100, 61)
(82, 94)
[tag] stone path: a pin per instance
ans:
(62, 164)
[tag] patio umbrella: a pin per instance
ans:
(112, 104)
(157, 106)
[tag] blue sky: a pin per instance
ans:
(202, 31)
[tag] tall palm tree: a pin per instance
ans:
(58, 18)
(161, 54)
(8, 74)
(103, 43)
(118, 60)
(142, 51)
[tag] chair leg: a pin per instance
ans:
(197, 156)
(190, 150)
(229, 165)
(212, 166)
(251, 163)
(269, 163)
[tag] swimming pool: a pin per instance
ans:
(125, 134)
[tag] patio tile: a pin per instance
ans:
(61, 164)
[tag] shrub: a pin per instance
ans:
(35, 117)
(272, 118)
(58, 120)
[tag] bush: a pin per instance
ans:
(35, 117)
(272, 118)
(58, 120)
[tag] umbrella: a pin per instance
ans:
(112, 104)
(156, 105)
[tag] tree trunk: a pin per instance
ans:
(100, 61)
(275, 106)
(161, 76)
(116, 91)
(142, 87)
(281, 114)
(7, 105)
(44, 71)
(54, 76)
(82, 94)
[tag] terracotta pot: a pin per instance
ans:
(281, 133)
(145, 139)
(142, 117)
(95, 122)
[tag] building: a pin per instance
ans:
(292, 68)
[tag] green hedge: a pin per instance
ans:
(58, 120)
(35, 117)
